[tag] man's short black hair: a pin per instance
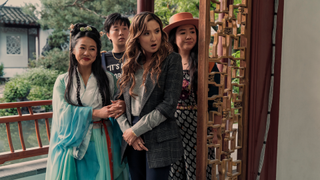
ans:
(112, 19)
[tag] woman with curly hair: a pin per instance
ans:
(150, 85)
(85, 141)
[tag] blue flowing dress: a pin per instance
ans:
(78, 146)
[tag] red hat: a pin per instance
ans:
(180, 19)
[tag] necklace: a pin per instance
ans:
(116, 57)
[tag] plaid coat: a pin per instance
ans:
(164, 141)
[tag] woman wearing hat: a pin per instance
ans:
(183, 35)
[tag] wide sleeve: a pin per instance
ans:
(172, 86)
(70, 134)
(71, 124)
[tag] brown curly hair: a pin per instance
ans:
(133, 49)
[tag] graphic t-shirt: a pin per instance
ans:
(111, 64)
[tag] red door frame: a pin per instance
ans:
(260, 74)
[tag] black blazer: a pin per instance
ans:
(164, 141)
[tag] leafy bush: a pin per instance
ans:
(40, 93)
(55, 59)
(41, 77)
(42, 81)
(16, 89)
(35, 84)
(1, 69)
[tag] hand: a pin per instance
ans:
(104, 112)
(129, 136)
(117, 108)
(138, 145)
(121, 104)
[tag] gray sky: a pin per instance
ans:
(19, 3)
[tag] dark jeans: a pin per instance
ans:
(138, 165)
(139, 170)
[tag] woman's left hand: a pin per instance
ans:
(129, 136)
(117, 108)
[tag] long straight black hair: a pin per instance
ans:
(98, 72)
(193, 60)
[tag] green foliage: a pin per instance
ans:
(41, 77)
(59, 14)
(235, 89)
(40, 93)
(58, 38)
(236, 80)
(35, 84)
(1, 69)
(237, 1)
(17, 88)
(167, 8)
(42, 81)
(55, 59)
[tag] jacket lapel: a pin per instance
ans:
(127, 98)
(149, 86)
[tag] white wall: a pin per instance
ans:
(43, 37)
(16, 64)
(299, 120)
(13, 63)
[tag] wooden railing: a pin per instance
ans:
(30, 152)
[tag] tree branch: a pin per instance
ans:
(101, 16)
(83, 1)
(75, 2)
(81, 6)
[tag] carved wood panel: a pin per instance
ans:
(228, 122)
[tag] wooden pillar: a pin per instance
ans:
(204, 26)
(145, 5)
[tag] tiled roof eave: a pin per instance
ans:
(14, 15)
(19, 23)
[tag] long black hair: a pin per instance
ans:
(193, 60)
(98, 72)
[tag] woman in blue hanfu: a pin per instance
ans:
(85, 141)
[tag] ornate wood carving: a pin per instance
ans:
(231, 102)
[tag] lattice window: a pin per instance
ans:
(13, 45)
(229, 51)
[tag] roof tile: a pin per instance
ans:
(14, 15)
